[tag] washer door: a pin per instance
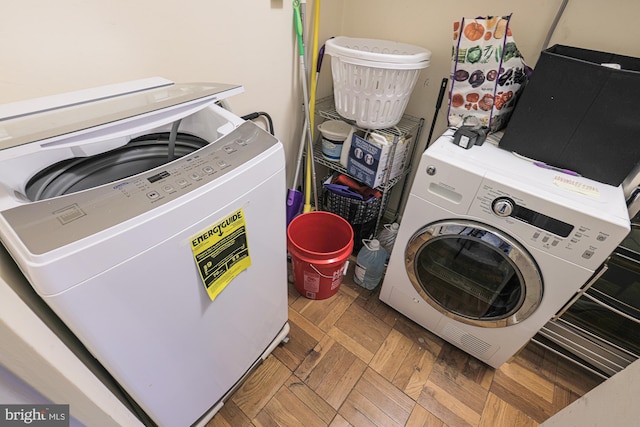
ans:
(473, 273)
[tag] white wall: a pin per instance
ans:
(50, 47)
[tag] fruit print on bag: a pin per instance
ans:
(487, 73)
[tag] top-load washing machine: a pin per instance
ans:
(492, 245)
(143, 214)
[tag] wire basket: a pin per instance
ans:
(373, 79)
(353, 210)
(362, 215)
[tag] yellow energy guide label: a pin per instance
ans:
(221, 252)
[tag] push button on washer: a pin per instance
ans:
(587, 254)
(153, 195)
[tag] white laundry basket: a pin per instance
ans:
(373, 79)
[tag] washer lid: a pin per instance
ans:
(83, 112)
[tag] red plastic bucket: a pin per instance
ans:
(320, 244)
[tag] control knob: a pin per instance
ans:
(502, 206)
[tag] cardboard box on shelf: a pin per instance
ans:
(369, 158)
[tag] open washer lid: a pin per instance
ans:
(90, 113)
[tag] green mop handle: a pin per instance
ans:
(298, 24)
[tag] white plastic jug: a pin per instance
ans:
(388, 236)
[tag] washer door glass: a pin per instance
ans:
(473, 273)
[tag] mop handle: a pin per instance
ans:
(300, 152)
(297, 20)
(312, 98)
(305, 93)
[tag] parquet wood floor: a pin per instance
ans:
(353, 361)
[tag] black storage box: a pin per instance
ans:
(580, 115)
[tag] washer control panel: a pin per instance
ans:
(186, 174)
(74, 216)
(559, 230)
(506, 207)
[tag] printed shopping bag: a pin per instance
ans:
(487, 75)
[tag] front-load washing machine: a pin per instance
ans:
(144, 215)
(492, 245)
